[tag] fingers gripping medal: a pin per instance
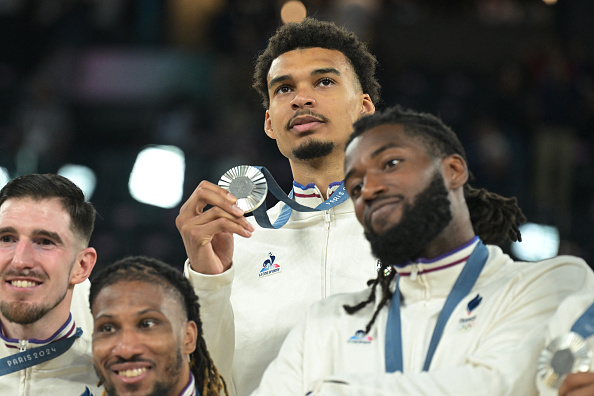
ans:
(247, 184)
(564, 355)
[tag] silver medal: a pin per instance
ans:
(564, 355)
(247, 184)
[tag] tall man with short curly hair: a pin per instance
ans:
(315, 79)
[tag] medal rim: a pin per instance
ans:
(259, 191)
(580, 351)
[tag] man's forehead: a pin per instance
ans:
(375, 140)
(137, 296)
(308, 59)
(44, 208)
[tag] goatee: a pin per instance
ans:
(421, 222)
(313, 149)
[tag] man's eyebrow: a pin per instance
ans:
(276, 80)
(374, 154)
(49, 234)
(383, 148)
(11, 230)
(324, 70)
(40, 232)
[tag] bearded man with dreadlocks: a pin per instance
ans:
(147, 337)
(449, 313)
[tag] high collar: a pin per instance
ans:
(68, 329)
(190, 389)
(434, 278)
(311, 196)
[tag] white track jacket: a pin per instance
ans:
(276, 275)
(489, 348)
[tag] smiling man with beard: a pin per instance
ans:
(449, 313)
(45, 259)
(147, 338)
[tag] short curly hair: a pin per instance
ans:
(311, 33)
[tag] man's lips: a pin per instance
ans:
(305, 122)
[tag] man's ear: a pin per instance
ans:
(367, 106)
(85, 261)
(455, 171)
(190, 337)
(268, 126)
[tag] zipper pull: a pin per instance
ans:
(414, 272)
(327, 216)
(23, 345)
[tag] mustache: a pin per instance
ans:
(119, 360)
(308, 112)
(27, 273)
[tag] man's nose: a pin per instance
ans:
(23, 255)
(128, 344)
(304, 97)
(372, 186)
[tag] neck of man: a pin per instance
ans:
(319, 171)
(42, 329)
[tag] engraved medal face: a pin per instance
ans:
(246, 183)
(564, 355)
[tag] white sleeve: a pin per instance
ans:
(504, 361)
(284, 376)
(216, 313)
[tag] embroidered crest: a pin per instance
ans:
(269, 267)
(467, 323)
(360, 338)
(472, 304)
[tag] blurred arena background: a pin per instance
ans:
(139, 100)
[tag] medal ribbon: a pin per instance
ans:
(584, 326)
(339, 196)
(31, 357)
(461, 288)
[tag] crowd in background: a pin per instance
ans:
(93, 81)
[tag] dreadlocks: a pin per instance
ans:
(149, 270)
(494, 218)
(311, 33)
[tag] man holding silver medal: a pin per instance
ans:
(315, 80)
(449, 312)
(565, 365)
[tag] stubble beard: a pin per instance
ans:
(25, 312)
(161, 387)
(421, 222)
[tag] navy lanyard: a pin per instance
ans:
(461, 288)
(338, 197)
(31, 357)
(584, 326)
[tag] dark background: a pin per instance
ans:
(93, 82)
